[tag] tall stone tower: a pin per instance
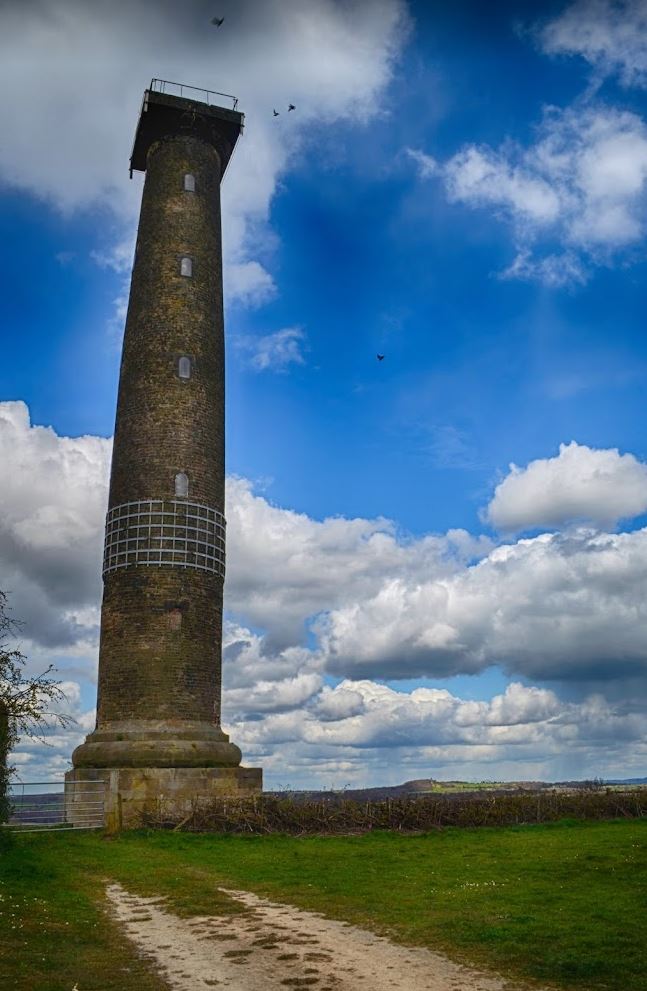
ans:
(158, 712)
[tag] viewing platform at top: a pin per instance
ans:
(171, 108)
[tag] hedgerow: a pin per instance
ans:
(297, 816)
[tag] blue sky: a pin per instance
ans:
(461, 189)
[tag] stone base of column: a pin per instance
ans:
(129, 791)
(157, 743)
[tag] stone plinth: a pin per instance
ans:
(157, 743)
(129, 791)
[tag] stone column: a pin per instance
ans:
(164, 564)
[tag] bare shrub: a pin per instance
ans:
(337, 815)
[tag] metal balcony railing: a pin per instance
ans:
(190, 92)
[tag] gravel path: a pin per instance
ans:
(275, 947)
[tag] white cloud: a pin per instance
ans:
(249, 281)
(360, 731)
(357, 600)
(46, 756)
(77, 71)
(557, 607)
(610, 34)
(555, 271)
(275, 352)
(574, 198)
(560, 606)
(483, 177)
(580, 484)
(53, 493)
(266, 682)
(284, 567)
(427, 164)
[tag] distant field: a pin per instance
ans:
(431, 786)
(561, 904)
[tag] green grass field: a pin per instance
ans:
(562, 904)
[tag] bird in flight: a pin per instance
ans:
(380, 357)
(276, 113)
(217, 21)
(291, 107)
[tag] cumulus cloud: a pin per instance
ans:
(259, 680)
(360, 730)
(275, 352)
(284, 567)
(610, 34)
(77, 72)
(313, 601)
(580, 484)
(558, 607)
(573, 199)
(353, 596)
(53, 492)
(564, 607)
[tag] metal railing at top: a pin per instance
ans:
(179, 89)
(37, 806)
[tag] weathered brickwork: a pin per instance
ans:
(160, 642)
(166, 424)
(161, 623)
(153, 666)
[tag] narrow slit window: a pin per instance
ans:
(186, 267)
(182, 485)
(189, 183)
(184, 367)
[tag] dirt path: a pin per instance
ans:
(274, 947)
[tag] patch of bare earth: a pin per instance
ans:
(275, 947)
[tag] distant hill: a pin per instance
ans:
(449, 789)
(419, 786)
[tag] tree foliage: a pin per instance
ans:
(5, 770)
(25, 701)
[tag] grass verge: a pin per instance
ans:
(560, 904)
(55, 930)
